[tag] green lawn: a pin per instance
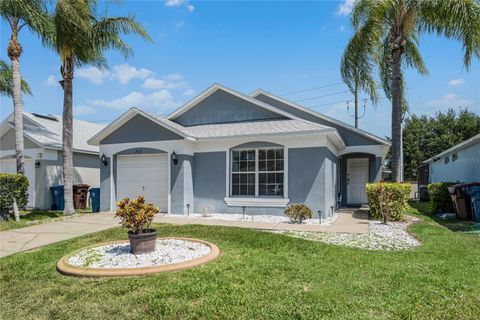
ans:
(259, 275)
(32, 217)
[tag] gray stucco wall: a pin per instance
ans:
(351, 138)
(140, 129)
(221, 107)
(105, 186)
(374, 169)
(209, 172)
(464, 169)
(182, 184)
(7, 141)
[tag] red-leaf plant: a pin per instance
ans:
(136, 215)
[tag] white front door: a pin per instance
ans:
(10, 166)
(357, 178)
(143, 175)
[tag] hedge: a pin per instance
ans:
(440, 196)
(392, 197)
(12, 186)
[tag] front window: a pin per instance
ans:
(257, 172)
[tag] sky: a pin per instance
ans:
(280, 46)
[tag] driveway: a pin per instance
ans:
(28, 238)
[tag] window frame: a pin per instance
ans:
(257, 172)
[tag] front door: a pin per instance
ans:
(357, 178)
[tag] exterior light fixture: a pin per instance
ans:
(174, 158)
(188, 209)
(37, 164)
(104, 160)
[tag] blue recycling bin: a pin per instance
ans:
(95, 199)
(58, 202)
(474, 193)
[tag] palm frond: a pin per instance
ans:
(6, 81)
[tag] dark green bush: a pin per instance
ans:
(13, 186)
(298, 212)
(440, 196)
(388, 201)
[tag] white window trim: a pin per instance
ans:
(257, 201)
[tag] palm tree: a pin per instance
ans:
(388, 31)
(18, 14)
(357, 68)
(80, 36)
(6, 81)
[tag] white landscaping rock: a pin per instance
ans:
(118, 255)
(393, 236)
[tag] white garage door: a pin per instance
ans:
(145, 175)
(10, 166)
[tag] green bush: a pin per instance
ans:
(298, 212)
(13, 186)
(388, 201)
(440, 196)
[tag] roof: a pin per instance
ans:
(46, 131)
(461, 145)
(319, 115)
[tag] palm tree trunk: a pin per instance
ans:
(396, 114)
(67, 135)
(14, 53)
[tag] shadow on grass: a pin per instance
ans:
(456, 225)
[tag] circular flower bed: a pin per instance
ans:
(115, 259)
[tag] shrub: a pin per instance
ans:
(136, 215)
(13, 186)
(440, 196)
(388, 201)
(298, 212)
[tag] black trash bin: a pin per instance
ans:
(461, 199)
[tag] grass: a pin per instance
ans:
(259, 275)
(33, 217)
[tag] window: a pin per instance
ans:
(447, 160)
(454, 157)
(257, 172)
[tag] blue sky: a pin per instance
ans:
(281, 47)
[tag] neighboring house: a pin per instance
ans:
(224, 151)
(459, 163)
(43, 154)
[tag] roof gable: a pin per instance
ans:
(222, 105)
(351, 135)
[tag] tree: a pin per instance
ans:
(80, 36)
(18, 14)
(389, 31)
(6, 81)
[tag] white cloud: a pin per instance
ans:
(342, 28)
(345, 7)
(449, 100)
(171, 81)
(456, 82)
(51, 80)
(83, 110)
(179, 24)
(124, 73)
(179, 3)
(93, 74)
(189, 92)
(162, 99)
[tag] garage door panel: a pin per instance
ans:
(145, 175)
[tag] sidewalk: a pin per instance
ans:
(24, 239)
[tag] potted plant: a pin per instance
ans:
(136, 215)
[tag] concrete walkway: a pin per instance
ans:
(29, 238)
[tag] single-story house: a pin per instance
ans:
(43, 154)
(225, 151)
(459, 163)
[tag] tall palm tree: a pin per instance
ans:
(18, 14)
(357, 68)
(80, 36)
(6, 81)
(389, 31)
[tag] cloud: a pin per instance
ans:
(189, 92)
(162, 99)
(456, 82)
(449, 100)
(179, 3)
(345, 7)
(342, 28)
(123, 73)
(93, 74)
(51, 80)
(179, 24)
(83, 110)
(171, 81)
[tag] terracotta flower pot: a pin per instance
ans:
(143, 242)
